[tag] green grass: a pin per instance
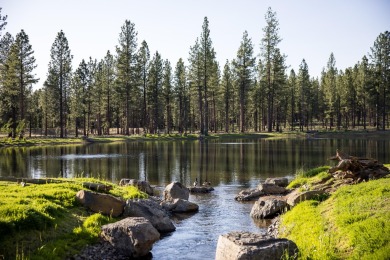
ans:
(354, 223)
(311, 176)
(45, 221)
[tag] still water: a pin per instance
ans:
(230, 165)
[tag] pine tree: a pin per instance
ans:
(167, 93)
(155, 82)
(243, 66)
(181, 95)
(3, 22)
(269, 44)
(304, 91)
(126, 70)
(227, 88)
(292, 84)
(143, 66)
(18, 81)
(109, 78)
(380, 60)
(59, 76)
(330, 90)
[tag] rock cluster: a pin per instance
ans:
(144, 220)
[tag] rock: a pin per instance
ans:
(141, 185)
(150, 210)
(282, 181)
(267, 207)
(133, 236)
(101, 203)
(245, 245)
(296, 196)
(201, 189)
(273, 229)
(180, 206)
(176, 190)
(249, 194)
(268, 188)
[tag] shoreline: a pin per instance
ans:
(42, 141)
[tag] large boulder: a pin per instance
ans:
(245, 245)
(101, 203)
(133, 237)
(267, 188)
(281, 181)
(267, 207)
(249, 194)
(296, 196)
(180, 206)
(141, 185)
(150, 210)
(176, 190)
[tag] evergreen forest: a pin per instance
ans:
(133, 91)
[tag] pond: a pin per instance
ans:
(230, 165)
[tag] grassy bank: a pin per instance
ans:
(353, 223)
(45, 221)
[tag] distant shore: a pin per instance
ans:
(42, 140)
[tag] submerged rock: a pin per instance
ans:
(246, 245)
(201, 189)
(249, 194)
(180, 206)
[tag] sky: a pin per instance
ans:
(309, 29)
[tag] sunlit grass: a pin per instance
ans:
(45, 221)
(309, 177)
(354, 223)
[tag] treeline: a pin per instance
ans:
(135, 92)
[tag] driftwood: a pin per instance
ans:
(359, 169)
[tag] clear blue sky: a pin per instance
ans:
(310, 29)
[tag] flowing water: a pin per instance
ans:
(230, 166)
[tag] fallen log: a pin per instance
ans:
(359, 169)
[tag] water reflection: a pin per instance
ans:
(228, 162)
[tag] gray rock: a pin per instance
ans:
(176, 190)
(249, 194)
(267, 207)
(296, 196)
(150, 210)
(268, 188)
(133, 236)
(141, 185)
(282, 181)
(180, 206)
(250, 246)
(101, 203)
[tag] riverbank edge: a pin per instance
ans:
(302, 223)
(49, 141)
